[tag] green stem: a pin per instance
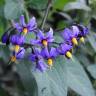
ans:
(46, 14)
(26, 15)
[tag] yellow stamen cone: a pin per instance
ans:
(50, 62)
(17, 47)
(68, 55)
(82, 39)
(13, 58)
(74, 41)
(45, 43)
(25, 30)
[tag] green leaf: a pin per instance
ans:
(92, 70)
(13, 9)
(59, 4)
(92, 41)
(76, 5)
(27, 78)
(77, 78)
(4, 52)
(53, 82)
(37, 4)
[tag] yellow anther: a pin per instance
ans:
(74, 41)
(82, 39)
(50, 62)
(44, 42)
(13, 58)
(68, 54)
(17, 47)
(25, 30)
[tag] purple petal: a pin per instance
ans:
(32, 24)
(32, 57)
(45, 53)
(20, 54)
(50, 40)
(17, 39)
(41, 66)
(53, 52)
(67, 34)
(35, 42)
(75, 30)
(18, 27)
(50, 33)
(40, 35)
(37, 51)
(64, 48)
(22, 21)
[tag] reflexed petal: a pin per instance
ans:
(85, 31)
(35, 42)
(32, 57)
(41, 65)
(67, 34)
(37, 51)
(50, 33)
(50, 40)
(64, 48)
(32, 23)
(45, 53)
(18, 27)
(40, 35)
(75, 30)
(22, 21)
(53, 52)
(20, 54)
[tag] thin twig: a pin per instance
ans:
(46, 13)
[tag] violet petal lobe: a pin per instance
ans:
(20, 54)
(53, 52)
(22, 21)
(32, 23)
(45, 53)
(41, 66)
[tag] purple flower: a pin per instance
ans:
(64, 49)
(17, 39)
(23, 27)
(49, 55)
(43, 39)
(83, 31)
(36, 57)
(18, 55)
(70, 35)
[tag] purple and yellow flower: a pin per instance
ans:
(49, 55)
(43, 39)
(18, 55)
(17, 40)
(65, 49)
(70, 35)
(35, 56)
(25, 28)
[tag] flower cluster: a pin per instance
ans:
(43, 54)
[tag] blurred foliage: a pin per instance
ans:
(75, 77)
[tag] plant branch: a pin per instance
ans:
(46, 14)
